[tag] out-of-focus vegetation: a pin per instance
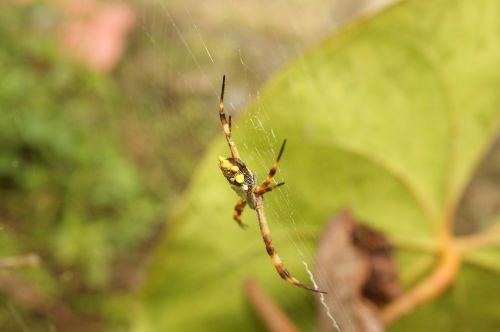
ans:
(70, 191)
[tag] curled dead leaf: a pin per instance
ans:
(355, 265)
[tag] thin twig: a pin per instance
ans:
(28, 260)
(271, 315)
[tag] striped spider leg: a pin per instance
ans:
(244, 182)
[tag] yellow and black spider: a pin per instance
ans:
(244, 183)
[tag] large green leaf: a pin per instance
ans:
(389, 118)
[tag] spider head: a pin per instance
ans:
(238, 175)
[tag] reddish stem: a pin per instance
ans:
(268, 311)
(435, 284)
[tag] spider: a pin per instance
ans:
(244, 182)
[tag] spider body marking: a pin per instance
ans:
(244, 182)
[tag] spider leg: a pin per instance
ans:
(225, 124)
(238, 210)
(277, 262)
(268, 188)
(272, 171)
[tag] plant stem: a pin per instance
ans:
(27, 260)
(268, 311)
(443, 275)
(488, 237)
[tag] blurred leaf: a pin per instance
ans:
(389, 118)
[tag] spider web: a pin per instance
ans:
(281, 212)
(266, 37)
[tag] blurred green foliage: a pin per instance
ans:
(69, 191)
